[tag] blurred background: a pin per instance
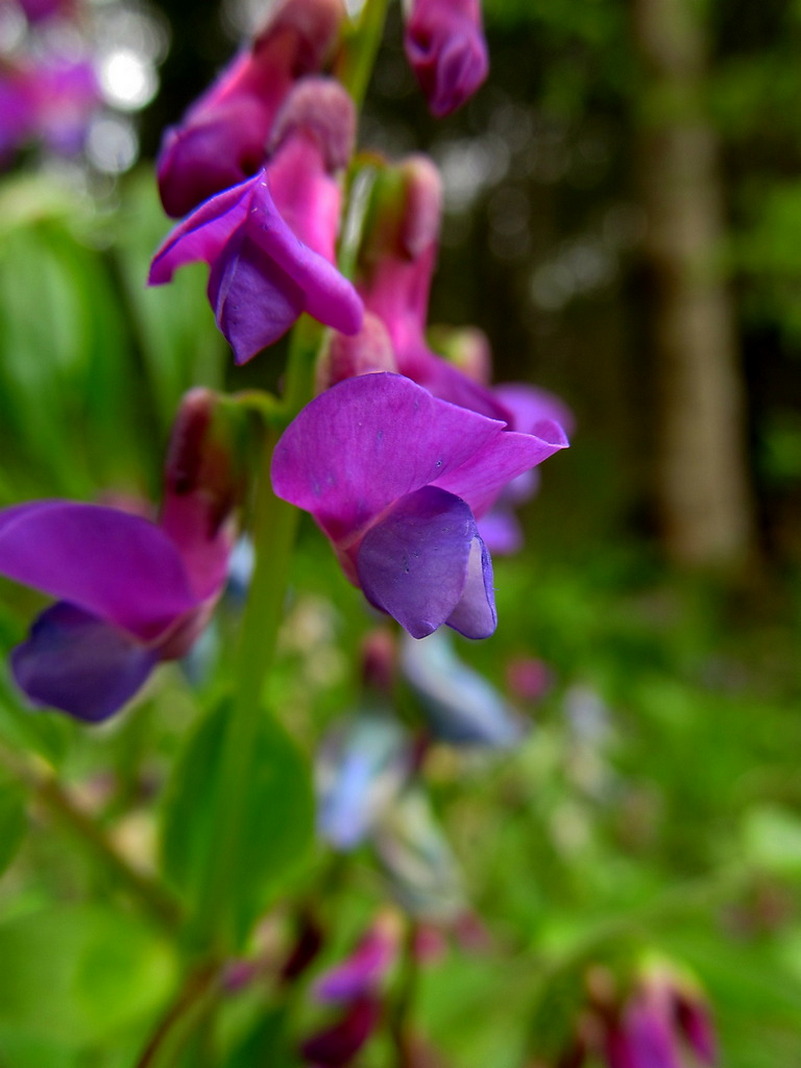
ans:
(623, 220)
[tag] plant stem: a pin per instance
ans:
(214, 926)
(358, 56)
(49, 792)
(197, 985)
(403, 1003)
(275, 523)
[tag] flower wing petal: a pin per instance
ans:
(370, 440)
(117, 566)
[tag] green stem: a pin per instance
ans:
(190, 997)
(49, 792)
(403, 1004)
(275, 523)
(358, 56)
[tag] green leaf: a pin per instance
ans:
(267, 1043)
(13, 822)
(772, 840)
(280, 815)
(80, 974)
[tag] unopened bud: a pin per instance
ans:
(364, 353)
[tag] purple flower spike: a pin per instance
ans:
(270, 240)
(130, 592)
(445, 46)
(223, 137)
(396, 478)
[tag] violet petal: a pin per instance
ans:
(203, 235)
(79, 664)
(530, 405)
(117, 566)
(413, 563)
(650, 1036)
(254, 301)
(693, 1018)
(501, 531)
(363, 970)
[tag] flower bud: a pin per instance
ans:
(445, 46)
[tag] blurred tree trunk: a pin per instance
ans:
(702, 483)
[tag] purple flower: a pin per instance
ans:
(130, 592)
(396, 478)
(224, 136)
(445, 46)
(363, 970)
(337, 1045)
(269, 241)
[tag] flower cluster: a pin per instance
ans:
(411, 472)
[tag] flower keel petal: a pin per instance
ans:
(413, 564)
(75, 662)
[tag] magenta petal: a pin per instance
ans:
(200, 159)
(79, 664)
(254, 301)
(117, 566)
(475, 615)
(202, 236)
(648, 1037)
(370, 440)
(413, 563)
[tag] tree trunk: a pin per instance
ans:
(702, 484)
